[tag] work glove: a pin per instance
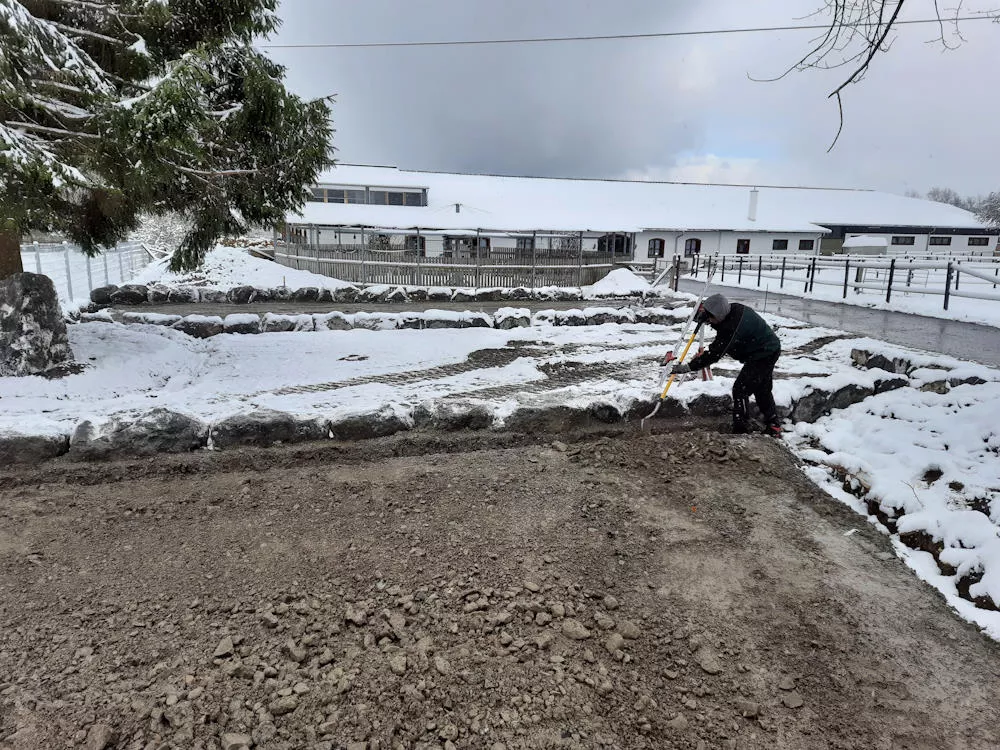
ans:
(681, 369)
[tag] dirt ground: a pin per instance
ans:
(681, 590)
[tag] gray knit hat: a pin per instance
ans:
(717, 306)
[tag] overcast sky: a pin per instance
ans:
(676, 109)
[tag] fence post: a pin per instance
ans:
(107, 278)
(121, 265)
(723, 268)
(812, 275)
(677, 272)
(760, 265)
(69, 273)
(364, 255)
(947, 286)
(958, 272)
(739, 274)
(847, 272)
(90, 277)
(38, 259)
(782, 284)
(418, 278)
(579, 264)
(532, 266)
(805, 287)
(892, 273)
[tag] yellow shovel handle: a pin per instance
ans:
(683, 355)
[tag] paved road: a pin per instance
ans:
(969, 341)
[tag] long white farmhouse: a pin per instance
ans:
(434, 214)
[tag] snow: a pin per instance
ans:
(865, 241)
(618, 283)
(497, 203)
(228, 267)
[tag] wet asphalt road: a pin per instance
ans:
(970, 341)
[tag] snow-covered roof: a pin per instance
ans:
(866, 241)
(496, 203)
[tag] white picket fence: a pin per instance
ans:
(75, 275)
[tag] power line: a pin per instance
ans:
(606, 37)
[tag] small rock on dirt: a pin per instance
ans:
(233, 741)
(575, 630)
(224, 649)
(99, 737)
(284, 705)
(792, 700)
(708, 661)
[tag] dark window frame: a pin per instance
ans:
(742, 246)
(779, 244)
(656, 248)
(807, 244)
(938, 241)
(692, 247)
(906, 240)
(979, 241)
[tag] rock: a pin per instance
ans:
(283, 705)
(295, 652)
(376, 424)
(158, 294)
(346, 294)
(224, 649)
(102, 295)
(543, 618)
(155, 432)
(707, 660)
(614, 643)
(149, 319)
(213, 296)
(679, 723)
(31, 449)
(603, 621)
(532, 587)
(270, 620)
(748, 709)
(560, 446)
(610, 602)
(200, 326)
(306, 294)
(628, 630)
(130, 294)
(333, 321)
(183, 294)
(397, 663)
(241, 295)
(241, 323)
(233, 741)
(33, 338)
(792, 700)
(264, 427)
(451, 416)
(448, 732)
(357, 616)
(574, 629)
(442, 665)
(787, 683)
(397, 295)
(99, 737)
(263, 733)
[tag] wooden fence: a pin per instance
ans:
(499, 268)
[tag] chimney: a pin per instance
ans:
(754, 195)
(458, 207)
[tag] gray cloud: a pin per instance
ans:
(667, 109)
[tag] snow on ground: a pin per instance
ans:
(986, 312)
(228, 267)
(618, 283)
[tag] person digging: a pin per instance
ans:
(743, 335)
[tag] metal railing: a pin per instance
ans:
(488, 268)
(969, 277)
(76, 275)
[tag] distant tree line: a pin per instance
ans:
(986, 207)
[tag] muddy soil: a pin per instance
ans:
(680, 590)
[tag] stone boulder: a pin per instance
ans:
(200, 326)
(241, 295)
(130, 294)
(263, 428)
(182, 294)
(33, 338)
(157, 431)
(158, 294)
(213, 296)
(306, 294)
(417, 294)
(332, 321)
(397, 295)
(102, 295)
(346, 294)
(453, 416)
(31, 449)
(377, 424)
(241, 323)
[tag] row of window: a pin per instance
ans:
(369, 196)
(657, 246)
(909, 239)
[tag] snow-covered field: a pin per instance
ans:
(983, 311)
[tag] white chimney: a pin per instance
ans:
(754, 195)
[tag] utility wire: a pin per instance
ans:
(605, 37)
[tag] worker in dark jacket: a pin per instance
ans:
(743, 335)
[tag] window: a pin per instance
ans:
(939, 241)
(395, 199)
(692, 247)
(656, 248)
(413, 242)
(979, 241)
(902, 240)
(807, 244)
(378, 197)
(414, 199)
(779, 245)
(354, 196)
(743, 247)
(318, 195)
(335, 195)
(525, 244)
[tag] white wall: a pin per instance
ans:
(724, 243)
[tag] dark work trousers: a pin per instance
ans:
(756, 379)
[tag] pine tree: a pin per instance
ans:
(112, 108)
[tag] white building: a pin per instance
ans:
(440, 214)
